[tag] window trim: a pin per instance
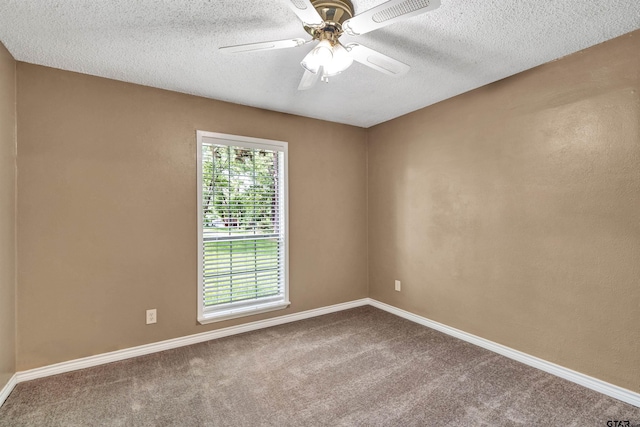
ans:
(249, 142)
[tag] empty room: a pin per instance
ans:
(319, 212)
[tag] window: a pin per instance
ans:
(242, 226)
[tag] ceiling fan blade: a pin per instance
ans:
(309, 80)
(387, 14)
(251, 47)
(306, 12)
(377, 60)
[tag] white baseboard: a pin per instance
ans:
(600, 386)
(114, 356)
(8, 388)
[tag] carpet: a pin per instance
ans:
(359, 367)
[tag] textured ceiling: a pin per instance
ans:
(173, 44)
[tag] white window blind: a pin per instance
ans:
(243, 226)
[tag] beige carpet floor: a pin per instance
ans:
(360, 367)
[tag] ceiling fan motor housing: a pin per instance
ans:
(333, 13)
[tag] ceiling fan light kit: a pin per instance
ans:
(326, 21)
(319, 57)
(340, 62)
(327, 59)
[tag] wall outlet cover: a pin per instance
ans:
(152, 316)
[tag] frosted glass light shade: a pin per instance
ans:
(320, 56)
(341, 61)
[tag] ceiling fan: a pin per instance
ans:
(326, 21)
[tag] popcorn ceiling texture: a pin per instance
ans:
(173, 44)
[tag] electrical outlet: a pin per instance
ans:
(151, 316)
(398, 285)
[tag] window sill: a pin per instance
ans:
(242, 312)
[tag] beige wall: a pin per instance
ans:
(510, 212)
(107, 211)
(513, 212)
(7, 215)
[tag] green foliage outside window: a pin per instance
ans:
(239, 192)
(240, 219)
